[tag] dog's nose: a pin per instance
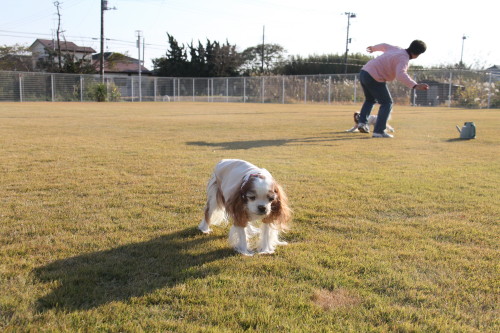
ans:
(261, 208)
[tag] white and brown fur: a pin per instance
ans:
(246, 194)
(372, 120)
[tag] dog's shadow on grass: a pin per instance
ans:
(234, 145)
(90, 280)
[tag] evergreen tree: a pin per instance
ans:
(175, 61)
(210, 61)
(324, 64)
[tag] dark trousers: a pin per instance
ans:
(375, 92)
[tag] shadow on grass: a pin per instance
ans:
(458, 140)
(234, 145)
(90, 280)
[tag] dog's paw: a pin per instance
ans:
(281, 243)
(265, 251)
(204, 228)
(244, 252)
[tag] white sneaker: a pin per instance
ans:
(382, 135)
(363, 128)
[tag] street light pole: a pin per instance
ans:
(348, 40)
(462, 54)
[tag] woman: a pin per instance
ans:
(392, 64)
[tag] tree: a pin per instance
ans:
(174, 62)
(324, 64)
(82, 66)
(211, 60)
(263, 59)
(198, 62)
(15, 58)
(226, 60)
(59, 56)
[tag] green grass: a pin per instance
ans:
(99, 205)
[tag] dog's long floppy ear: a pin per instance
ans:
(356, 117)
(280, 211)
(235, 206)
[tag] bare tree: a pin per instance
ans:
(59, 58)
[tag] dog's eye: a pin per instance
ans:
(251, 197)
(271, 199)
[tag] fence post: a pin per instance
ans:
(20, 87)
(244, 90)
(329, 89)
(81, 88)
(52, 86)
(140, 87)
(132, 83)
(305, 89)
(449, 90)
(227, 90)
(262, 90)
(489, 91)
(154, 88)
(173, 84)
(193, 88)
(355, 88)
(283, 91)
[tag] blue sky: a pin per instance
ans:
(301, 27)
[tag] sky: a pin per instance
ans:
(302, 27)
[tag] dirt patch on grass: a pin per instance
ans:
(335, 299)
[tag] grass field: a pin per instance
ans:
(99, 205)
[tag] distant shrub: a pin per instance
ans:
(476, 95)
(102, 92)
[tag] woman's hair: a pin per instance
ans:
(417, 47)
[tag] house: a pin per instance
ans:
(495, 72)
(119, 64)
(41, 50)
(438, 93)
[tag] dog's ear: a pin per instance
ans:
(356, 117)
(235, 206)
(280, 211)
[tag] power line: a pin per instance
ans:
(35, 35)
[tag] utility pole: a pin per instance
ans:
(263, 36)
(104, 6)
(139, 33)
(348, 40)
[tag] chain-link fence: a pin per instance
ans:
(471, 89)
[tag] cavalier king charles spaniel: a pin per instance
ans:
(246, 194)
(372, 120)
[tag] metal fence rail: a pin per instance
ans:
(447, 88)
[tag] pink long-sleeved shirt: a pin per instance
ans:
(392, 64)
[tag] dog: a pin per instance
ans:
(247, 195)
(372, 120)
